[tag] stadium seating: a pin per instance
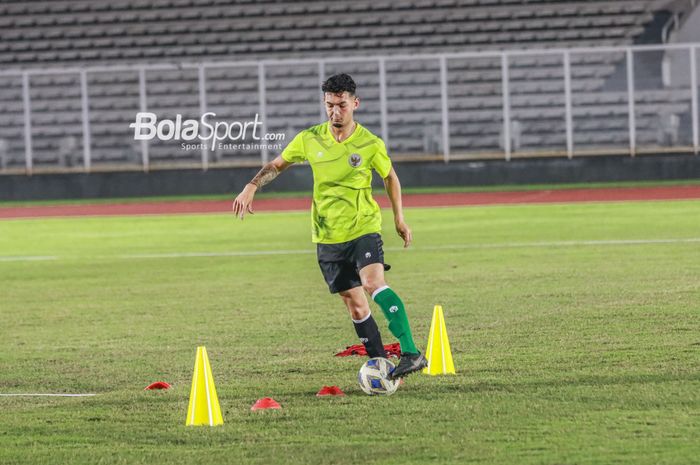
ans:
(126, 30)
(57, 34)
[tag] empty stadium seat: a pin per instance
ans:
(42, 34)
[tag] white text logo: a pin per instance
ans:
(147, 127)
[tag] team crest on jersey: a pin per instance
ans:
(355, 160)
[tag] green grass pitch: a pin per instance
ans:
(575, 332)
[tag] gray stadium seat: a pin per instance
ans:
(55, 34)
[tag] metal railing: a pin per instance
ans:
(444, 112)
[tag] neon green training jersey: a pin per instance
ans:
(343, 208)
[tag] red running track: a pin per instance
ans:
(409, 200)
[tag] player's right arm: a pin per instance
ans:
(244, 201)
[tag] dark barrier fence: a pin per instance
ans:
(298, 178)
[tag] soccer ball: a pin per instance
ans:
(374, 377)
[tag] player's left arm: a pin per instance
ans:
(392, 185)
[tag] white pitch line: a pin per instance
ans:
(558, 244)
(47, 395)
(218, 254)
(29, 258)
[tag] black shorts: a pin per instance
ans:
(341, 263)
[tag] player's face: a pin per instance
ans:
(340, 108)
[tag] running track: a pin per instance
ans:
(409, 200)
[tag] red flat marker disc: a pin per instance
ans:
(265, 403)
(157, 385)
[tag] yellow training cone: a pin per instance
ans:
(438, 352)
(204, 406)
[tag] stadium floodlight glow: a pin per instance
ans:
(147, 127)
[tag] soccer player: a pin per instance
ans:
(346, 221)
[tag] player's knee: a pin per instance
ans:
(358, 313)
(356, 307)
(372, 285)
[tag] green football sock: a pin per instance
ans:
(395, 312)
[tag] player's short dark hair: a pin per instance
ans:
(339, 83)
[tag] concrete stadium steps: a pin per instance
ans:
(62, 31)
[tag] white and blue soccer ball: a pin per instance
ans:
(374, 377)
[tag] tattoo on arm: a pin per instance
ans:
(265, 175)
